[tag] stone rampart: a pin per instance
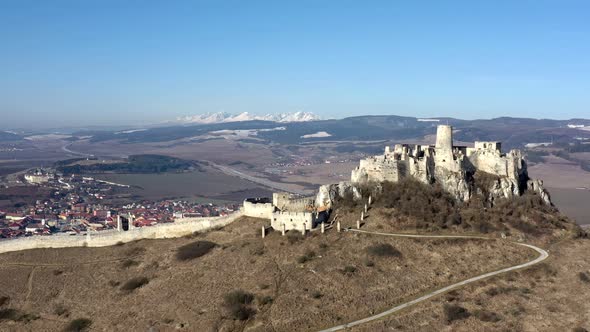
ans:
(292, 220)
(258, 209)
(181, 227)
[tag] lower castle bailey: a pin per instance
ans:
(450, 166)
(295, 213)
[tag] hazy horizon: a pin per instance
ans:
(68, 63)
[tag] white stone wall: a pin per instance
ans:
(258, 210)
(286, 202)
(180, 228)
(292, 220)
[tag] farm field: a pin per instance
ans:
(190, 185)
(574, 203)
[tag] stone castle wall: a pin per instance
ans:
(258, 209)
(292, 220)
(285, 202)
(449, 166)
(181, 227)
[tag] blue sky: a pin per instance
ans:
(109, 62)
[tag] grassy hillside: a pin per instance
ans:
(412, 205)
(233, 280)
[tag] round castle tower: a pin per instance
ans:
(444, 138)
(444, 142)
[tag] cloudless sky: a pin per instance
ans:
(122, 62)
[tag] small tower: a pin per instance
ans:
(444, 141)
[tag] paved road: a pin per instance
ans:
(265, 182)
(542, 256)
(66, 148)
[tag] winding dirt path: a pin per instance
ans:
(542, 256)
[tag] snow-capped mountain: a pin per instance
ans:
(221, 117)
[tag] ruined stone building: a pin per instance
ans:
(295, 213)
(451, 166)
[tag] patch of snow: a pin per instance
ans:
(223, 117)
(47, 137)
(130, 131)
(317, 135)
(242, 132)
(535, 145)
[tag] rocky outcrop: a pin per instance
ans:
(453, 182)
(329, 193)
(537, 186)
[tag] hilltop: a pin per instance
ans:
(295, 284)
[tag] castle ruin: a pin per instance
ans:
(445, 164)
(451, 166)
(295, 213)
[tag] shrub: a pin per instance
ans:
(238, 297)
(323, 246)
(349, 269)
(264, 300)
(60, 310)
(369, 263)
(309, 255)
(584, 277)
(78, 325)
(258, 251)
(383, 250)
(237, 303)
(241, 312)
(194, 250)
(294, 237)
(134, 283)
(57, 272)
(9, 314)
(134, 251)
(316, 294)
(454, 312)
(4, 300)
(504, 290)
(129, 263)
(579, 329)
(16, 315)
(487, 316)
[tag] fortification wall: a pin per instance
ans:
(182, 227)
(258, 210)
(292, 220)
(493, 162)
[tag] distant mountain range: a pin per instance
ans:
(302, 127)
(223, 117)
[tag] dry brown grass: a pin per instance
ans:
(337, 284)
